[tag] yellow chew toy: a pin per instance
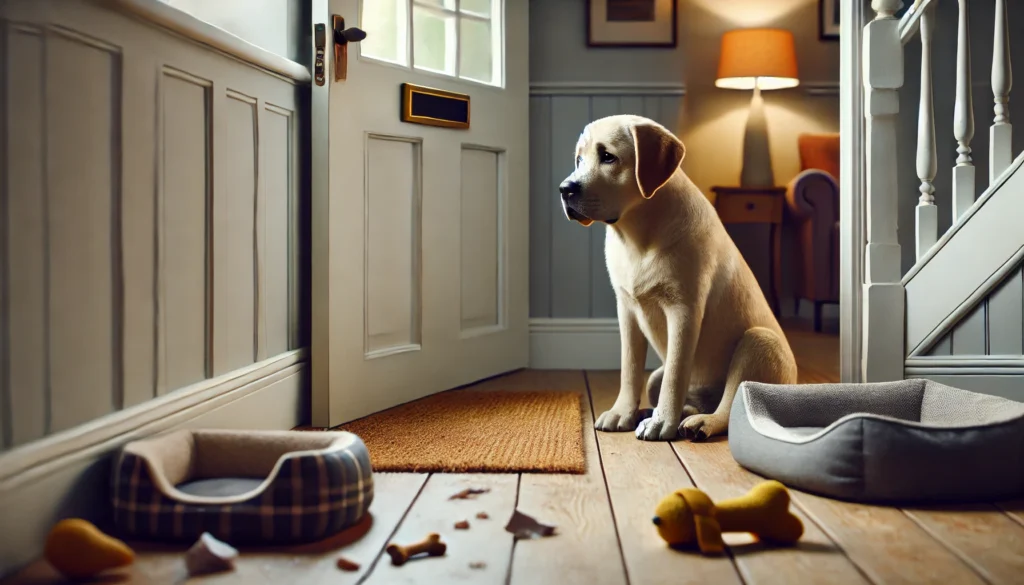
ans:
(688, 515)
(79, 550)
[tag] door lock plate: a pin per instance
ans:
(319, 41)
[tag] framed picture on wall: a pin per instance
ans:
(828, 19)
(631, 23)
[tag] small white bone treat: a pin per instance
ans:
(209, 555)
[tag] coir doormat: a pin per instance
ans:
(464, 431)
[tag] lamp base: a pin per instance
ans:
(757, 158)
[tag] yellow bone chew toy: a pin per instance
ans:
(688, 515)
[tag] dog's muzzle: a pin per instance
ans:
(571, 191)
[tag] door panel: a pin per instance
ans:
(420, 232)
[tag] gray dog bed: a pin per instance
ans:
(909, 440)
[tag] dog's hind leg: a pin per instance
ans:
(654, 385)
(760, 356)
(654, 390)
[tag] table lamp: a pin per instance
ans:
(758, 59)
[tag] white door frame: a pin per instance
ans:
(854, 16)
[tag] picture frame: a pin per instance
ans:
(828, 20)
(632, 23)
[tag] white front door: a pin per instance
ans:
(420, 235)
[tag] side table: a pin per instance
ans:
(757, 205)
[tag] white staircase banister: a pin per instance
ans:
(911, 21)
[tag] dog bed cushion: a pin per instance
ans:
(908, 440)
(270, 487)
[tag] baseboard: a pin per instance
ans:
(1006, 384)
(67, 474)
(578, 344)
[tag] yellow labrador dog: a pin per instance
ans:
(680, 283)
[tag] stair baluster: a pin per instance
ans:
(927, 220)
(1000, 148)
(963, 120)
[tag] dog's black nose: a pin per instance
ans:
(568, 189)
(656, 521)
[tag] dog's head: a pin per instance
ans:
(621, 161)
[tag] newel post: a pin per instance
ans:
(884, 298)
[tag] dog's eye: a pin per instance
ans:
(579, 159)
(608, 158)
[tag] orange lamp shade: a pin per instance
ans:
(762, 57)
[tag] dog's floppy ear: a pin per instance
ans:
(658, 154)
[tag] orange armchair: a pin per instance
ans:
(812, 198)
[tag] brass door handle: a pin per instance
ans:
(342, 37)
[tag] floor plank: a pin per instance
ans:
(815, 559)
(485, 541)
(817, 354)
(887, 545)
(394, 494)
(640, 474)
(585, 548)
(982, 536)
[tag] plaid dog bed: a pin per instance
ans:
(310, 485)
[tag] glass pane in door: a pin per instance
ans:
(385, 23)
(476, 58)
(482, 7)
(433, 35)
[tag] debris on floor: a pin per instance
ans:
(209, 555)
(432, 545)
(462, 525)
(347, 565)
(468, 493)
(477, 565)
(482, 515)
(524, 526)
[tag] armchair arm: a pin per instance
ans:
(813, 193)
(813, 198)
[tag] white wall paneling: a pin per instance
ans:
(150, 261)
(568, 276)
(993, 327)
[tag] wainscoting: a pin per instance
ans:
(568, 277)
(153, 204)
(994, 327)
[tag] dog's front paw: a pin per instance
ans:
(702, 426)
(616, 421)
(657, 428)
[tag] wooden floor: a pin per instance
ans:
(604, 533)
